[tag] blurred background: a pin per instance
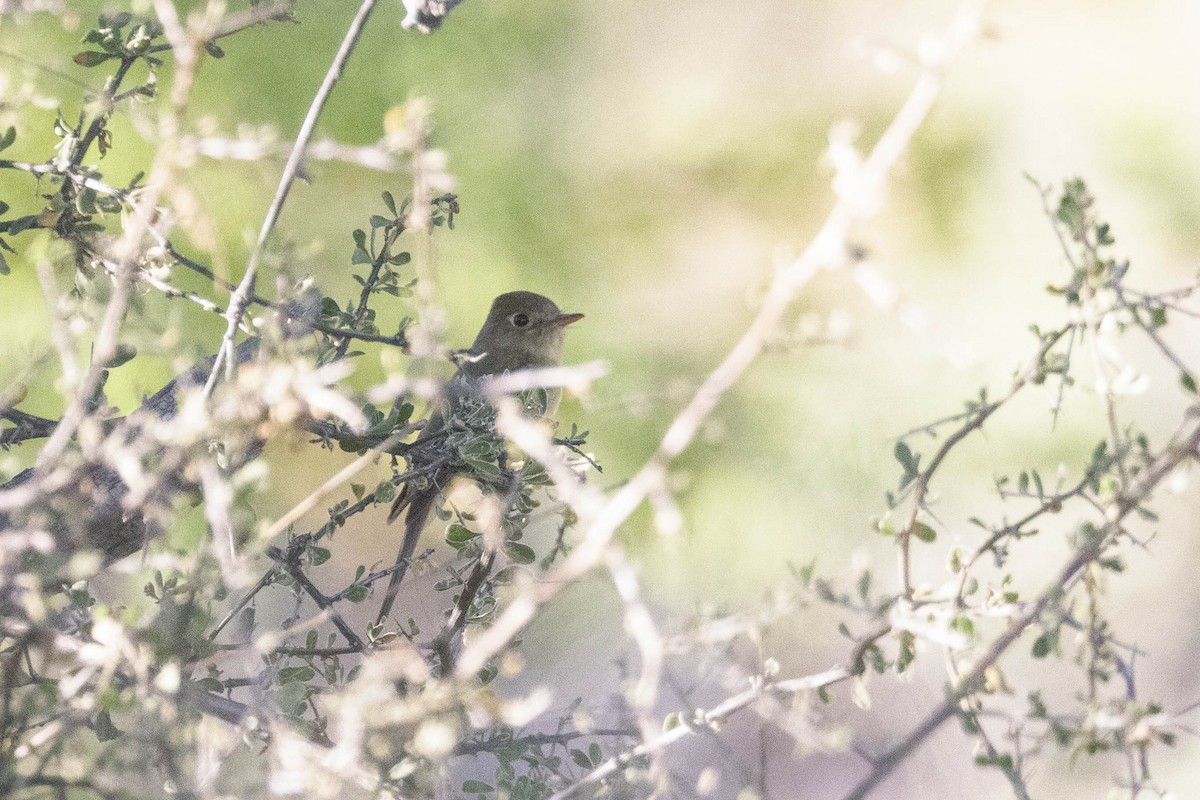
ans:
(649, 164)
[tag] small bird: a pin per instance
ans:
(523, 330)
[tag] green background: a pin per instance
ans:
(649, 164)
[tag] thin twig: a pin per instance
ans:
(703, 720)
(1184, 447)
(266, 580)
(341, 476)
(924, 480)
(323, 602)
(240, 298)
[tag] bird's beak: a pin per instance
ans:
(563, 320)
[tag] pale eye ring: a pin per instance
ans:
(519, 320)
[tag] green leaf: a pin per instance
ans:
(400, 259)
(1042, 645)
(210, 684)
(481, 468)
(379, 222)
(457, 535)
(361, 256)
(125, 353)
(356, 594)
(20, 224)
(1188, 382)
(923, 532)
(319, 555)
(296, 674)
(105, 730)
(909, 460)
(389, 201)
(6, 141)
(520, 553)
(485, 675)
(91, 58)
(907, 652)
(214, 50)
(374, 415)
(358, 490)
(108, 204)
(477, 786)
(955, 561)
(403, 412)
(1072, 207)
(864, 585)
(581, 759)
(1002, 761)
(352, 444)
(874, 656)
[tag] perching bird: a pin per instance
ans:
(523, 330)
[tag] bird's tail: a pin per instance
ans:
(419, 503)
(402, 500)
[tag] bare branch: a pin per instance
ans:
(241, 297)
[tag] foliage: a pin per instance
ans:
(199, 692)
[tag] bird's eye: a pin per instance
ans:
(519, 320)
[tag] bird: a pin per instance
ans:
(523, 330)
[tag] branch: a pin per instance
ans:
(131, 243)
(241, 20)
(974, 423)
(377, 157)
(288, 561)
(1183, 448)
(703, 720)
(341, 476)
(241, 297)
(535, 740)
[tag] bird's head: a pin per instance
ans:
(523, 330)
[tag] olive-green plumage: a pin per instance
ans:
(523, 330)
